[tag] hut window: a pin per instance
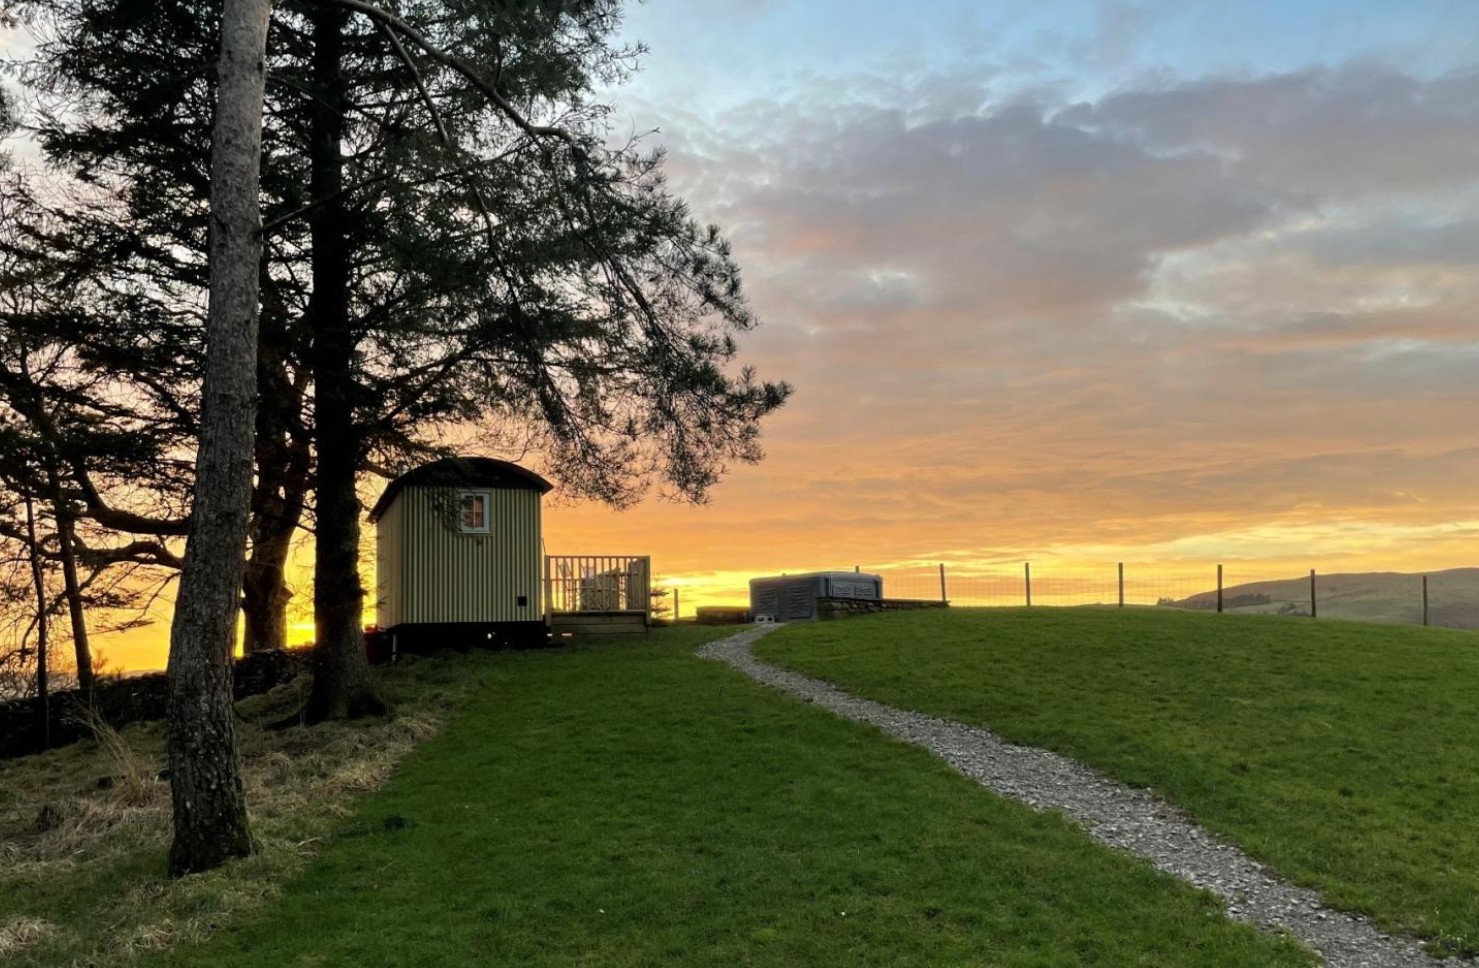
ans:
(472, 517)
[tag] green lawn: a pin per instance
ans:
(1344, 755)
(88, 886)
(630, 804)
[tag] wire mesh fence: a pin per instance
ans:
(1445, 598)
(1034, 583)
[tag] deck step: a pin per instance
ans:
(599, 623)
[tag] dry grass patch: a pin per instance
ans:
(18, 934)
(84, 830)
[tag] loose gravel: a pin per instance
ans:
(1115, 814)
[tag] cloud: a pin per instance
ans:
(1318, 134)
(1003, 214)
(1181, 310)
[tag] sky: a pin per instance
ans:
(1082, 282)
(1077, 283)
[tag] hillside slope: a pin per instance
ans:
(631, 805)
(1378, 596)
(1339, 753)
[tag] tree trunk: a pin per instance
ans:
(43, 691)
(66, 536)
(265, 593)
(66, 533)
(283, 462)
(205, 775)
(341, 674)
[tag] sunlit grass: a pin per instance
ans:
(628, 804)
(84, 830)
(1345, 755)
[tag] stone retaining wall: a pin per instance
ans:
(723, 615)
(829, 608)
(131, 700)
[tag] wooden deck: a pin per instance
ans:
(598, 623)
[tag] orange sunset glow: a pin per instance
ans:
(1073, 290)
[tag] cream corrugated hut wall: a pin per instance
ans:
(458, 544)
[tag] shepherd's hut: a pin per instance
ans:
(458, 556)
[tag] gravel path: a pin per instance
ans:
(1117, 815)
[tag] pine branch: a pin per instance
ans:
(489, 88)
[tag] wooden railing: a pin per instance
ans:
(598, 583)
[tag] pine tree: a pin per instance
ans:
(205, 775)
(479, 254)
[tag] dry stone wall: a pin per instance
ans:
(132, 700)
(830, 608)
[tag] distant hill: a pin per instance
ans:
(1377, 596)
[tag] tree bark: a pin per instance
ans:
(282, 462)
(43, 691)
(265, 593)
(66, 542)
(66, 533)
(341, 678)
(205, 775)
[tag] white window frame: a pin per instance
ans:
(462, 525)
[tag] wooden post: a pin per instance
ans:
(646, 589)
(1122, 584)
(1314, 611)
(675, 606)
(549, 591)
(1027, 577)
(943, 597)
(856, 569)
(1219, 589)
(1425, 599)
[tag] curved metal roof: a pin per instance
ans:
(462, 472)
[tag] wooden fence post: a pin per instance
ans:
(1425, 599)
(1027, 577)
(943, 598)
(1314, 610)
(1122, 584)
(1219, 589)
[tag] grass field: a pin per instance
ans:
(634, 805)
(1345, 755)
(82, 862)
